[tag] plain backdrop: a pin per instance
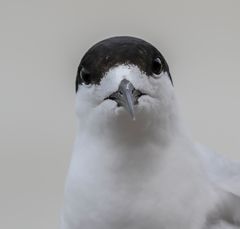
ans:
(41, 44)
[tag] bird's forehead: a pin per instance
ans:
(105, 55)
(116, 51)
(118, 73)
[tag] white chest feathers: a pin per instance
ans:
(124, 186)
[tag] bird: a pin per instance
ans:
(134, 163)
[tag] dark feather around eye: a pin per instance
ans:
(157, 66)
(85, 76)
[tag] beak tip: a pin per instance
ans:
(133, 116)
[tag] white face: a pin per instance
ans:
(158, 103)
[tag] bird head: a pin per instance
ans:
(124, 79)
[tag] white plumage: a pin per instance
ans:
(147, 173)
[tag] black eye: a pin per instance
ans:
(157, 66)
(85, 76)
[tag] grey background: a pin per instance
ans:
(41, 44)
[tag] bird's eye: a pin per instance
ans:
(85, 76)
(157, 66)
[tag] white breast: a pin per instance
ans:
(124, 186)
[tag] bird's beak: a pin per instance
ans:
(126, 96)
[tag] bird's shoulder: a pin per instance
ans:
(221, 170)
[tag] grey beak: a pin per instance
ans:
(126, 89)
(126, 96)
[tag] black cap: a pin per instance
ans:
(115, 51)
